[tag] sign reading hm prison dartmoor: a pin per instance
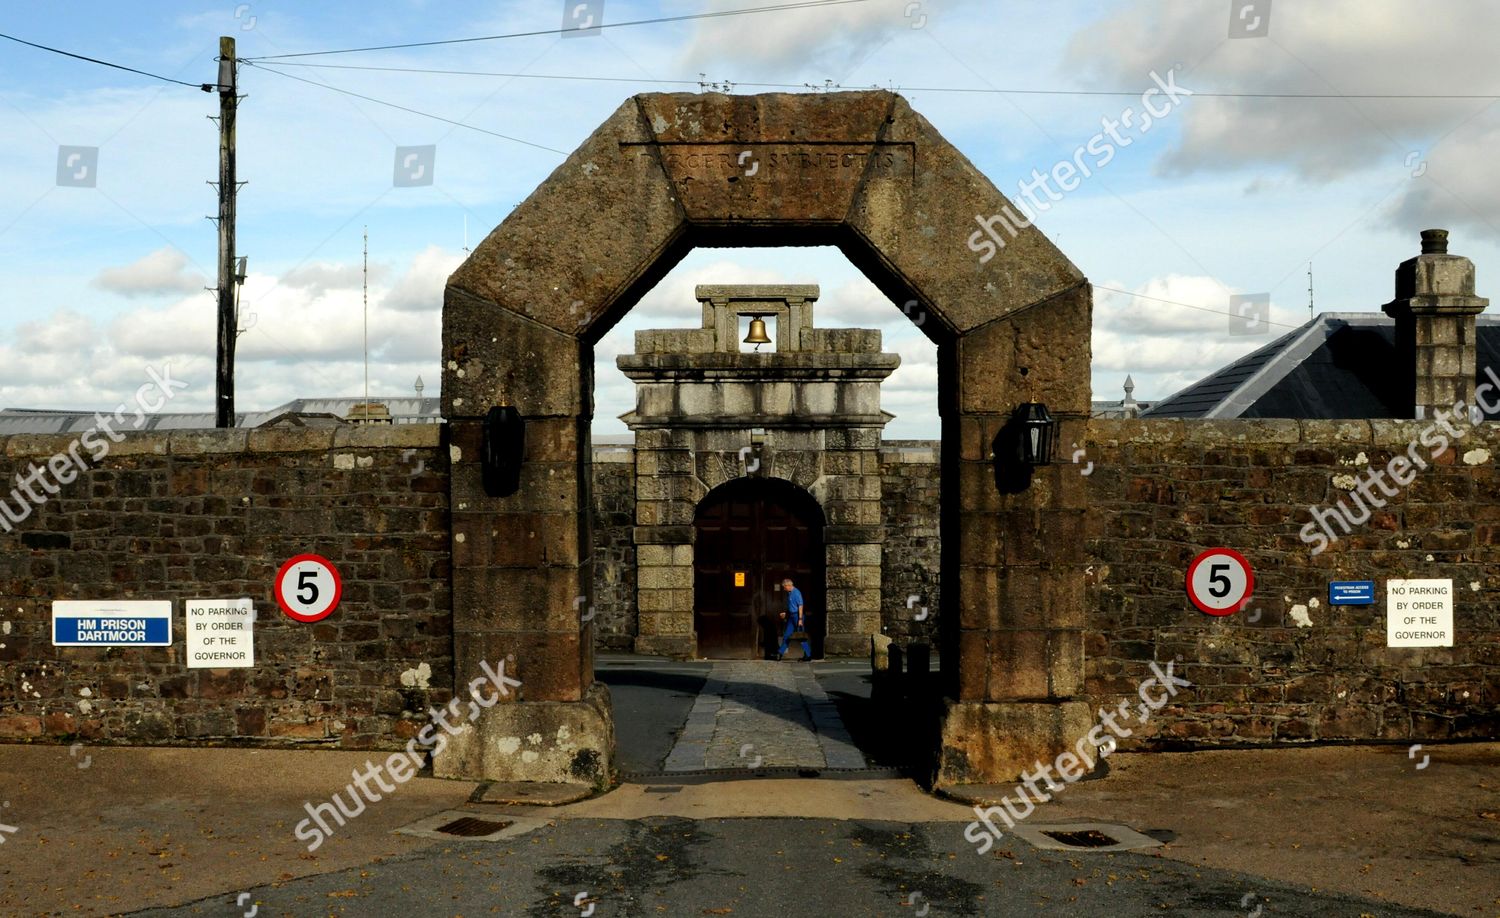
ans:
(664, 174)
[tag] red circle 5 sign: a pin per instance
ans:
(1220, 581)
(308, 588)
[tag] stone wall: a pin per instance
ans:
(214, 514)
(613, 600)
(911, 488)
(210, 514)
(1290, 668)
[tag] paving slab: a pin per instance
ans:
(762, 714)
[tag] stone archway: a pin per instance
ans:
(669, 172)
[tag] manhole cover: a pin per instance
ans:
(1088, 838)
(469, 827)
(450, 824)
(1101, 837)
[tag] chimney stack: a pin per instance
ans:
(1434, 311)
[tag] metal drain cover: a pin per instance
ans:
(451, 824)
(469, 827)
(1084, 836)
(1088, 838)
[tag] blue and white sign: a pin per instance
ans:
(1351, 593)
(122, 623)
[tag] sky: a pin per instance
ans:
(103, 262)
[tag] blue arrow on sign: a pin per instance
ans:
(1351, 593)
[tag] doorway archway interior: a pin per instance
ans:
(750, 534)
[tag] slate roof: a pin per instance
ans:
(404, 410)
(1337, 365)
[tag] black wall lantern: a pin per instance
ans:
(500, 454)
(1021, 445)
(1038, 433)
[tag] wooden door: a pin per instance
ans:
(751, 534)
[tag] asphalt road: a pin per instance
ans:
(760, 868)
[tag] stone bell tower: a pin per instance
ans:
(805, 409)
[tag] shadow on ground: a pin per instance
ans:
(653, 695)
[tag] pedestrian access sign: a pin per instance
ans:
(124, 623)
(1351, 593)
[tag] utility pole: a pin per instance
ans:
(228, 320)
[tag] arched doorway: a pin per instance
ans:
(751, 533)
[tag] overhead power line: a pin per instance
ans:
(807, 4)
(413, 111)
(206, 87)
(761, 85)
(1157, 299)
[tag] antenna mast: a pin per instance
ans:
(366, 296)
(1309, 291)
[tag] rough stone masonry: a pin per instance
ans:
(213, 514)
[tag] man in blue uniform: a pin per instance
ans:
(796, 620)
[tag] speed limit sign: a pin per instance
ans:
(1219, 581)
(308, 588)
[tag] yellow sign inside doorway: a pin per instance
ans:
(739, 578)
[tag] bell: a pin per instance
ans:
(757, 334)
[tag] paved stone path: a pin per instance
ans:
(760, 714)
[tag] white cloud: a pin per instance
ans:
(62, 334)
(302, 338)
(319, 277)
(1333, 46)
(163, 272)
(833, 39)
(421, 288)
(1165, 346)
(1455, 186)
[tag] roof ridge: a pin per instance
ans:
(1277, 367)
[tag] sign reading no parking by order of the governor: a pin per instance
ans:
(308, 588)
(220, 633)
(1220, 581)
(1419, 613)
